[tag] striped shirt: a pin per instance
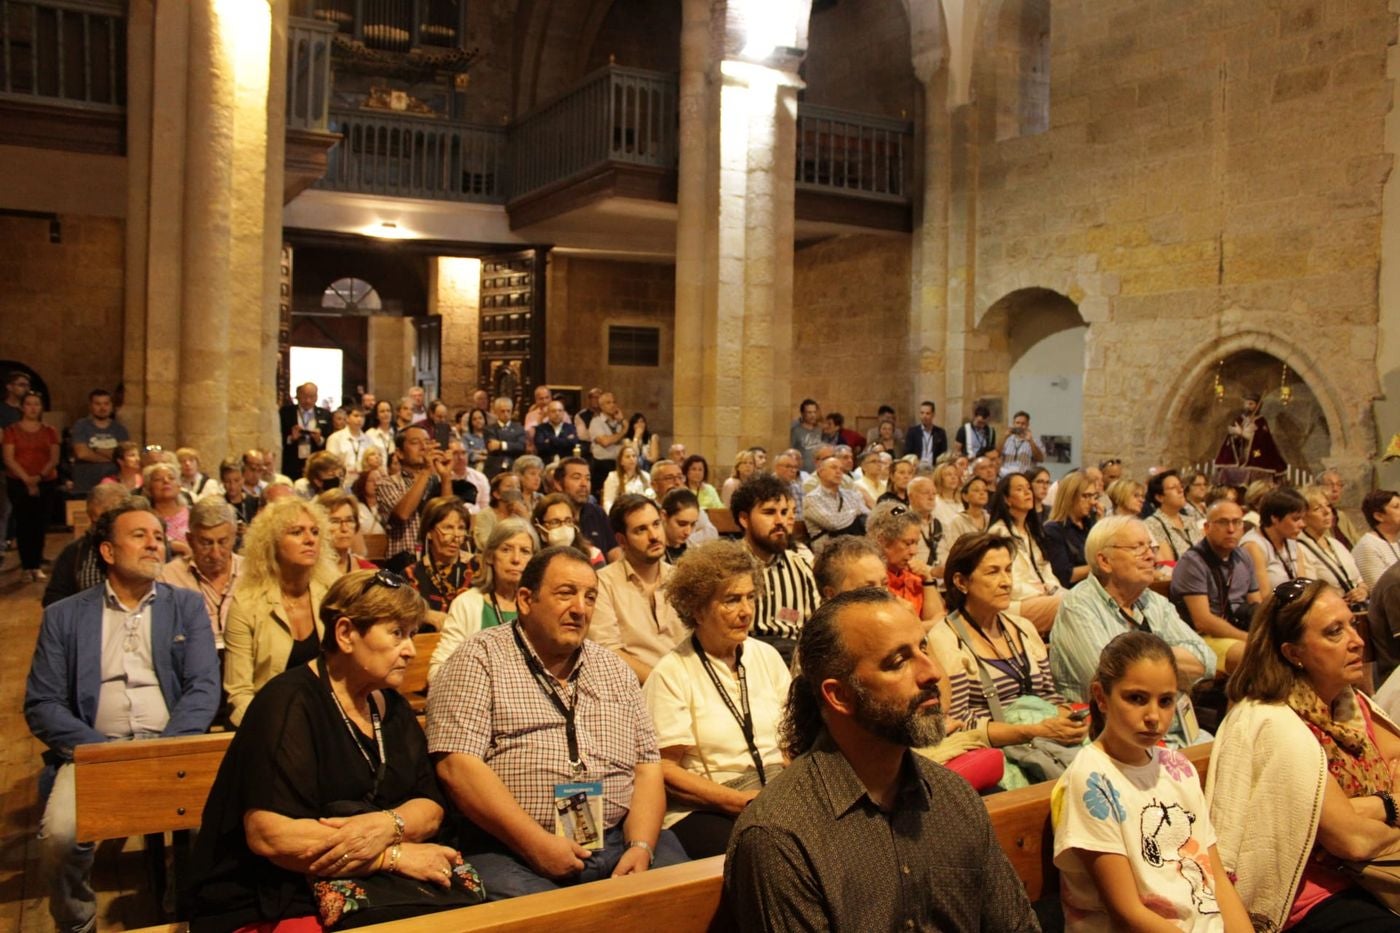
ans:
(789, 597)
(965, 683)
(486, 703)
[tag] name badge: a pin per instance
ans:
(578, 813)
(1187, 714)
(789, 615)
(304, 450)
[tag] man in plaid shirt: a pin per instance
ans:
(499, 730)
(425, 473)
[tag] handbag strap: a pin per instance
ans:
(989, 691)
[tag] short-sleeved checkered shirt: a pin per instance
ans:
(485, 702)
(402, 536)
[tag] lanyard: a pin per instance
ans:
(1335, 567)
(745, 720)
(1289, 566)
(546, 684)
(1128, 616)
(307, 418)
(1020, 664)
(1168, 531)
(355, 736)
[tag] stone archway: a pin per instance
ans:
(1027, 352)
(1312, 430)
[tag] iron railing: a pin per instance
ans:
(616, 114)
(416, 157)
(309, 73)
(852, 153)
(70, 52)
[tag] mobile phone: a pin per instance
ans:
(1079, 715)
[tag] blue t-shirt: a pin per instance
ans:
(88, 475)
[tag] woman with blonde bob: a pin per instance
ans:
(744, 465)
(288, 564)
(491, 600)
(1300, 779)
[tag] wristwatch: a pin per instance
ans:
(639, 844)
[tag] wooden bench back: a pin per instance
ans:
(376, 547)
(145, 786)
(415, 679)
(683, 898)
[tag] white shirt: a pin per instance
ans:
(1327, 556)
(687, 712)
(1374, 555)
(1282, 564)
(348, 449)
(129, 701)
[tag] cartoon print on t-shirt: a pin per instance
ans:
(1166, 837)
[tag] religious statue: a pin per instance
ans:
(1248, 452)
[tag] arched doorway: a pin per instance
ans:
(1030, 357)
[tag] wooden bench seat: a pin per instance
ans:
(685, 898)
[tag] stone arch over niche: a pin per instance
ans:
(1010, 342)
(1311, 431)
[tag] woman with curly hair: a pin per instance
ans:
(288, 564)
(716, 699)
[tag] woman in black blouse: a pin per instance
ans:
(328, 778)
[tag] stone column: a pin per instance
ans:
(734, 242)
(206, 81)
(929, 363)
(454, 294)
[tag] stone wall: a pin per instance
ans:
(1210, 183)
(849, 330)
(585, 296)
(858, 59)
(62, 304)
(454, 293)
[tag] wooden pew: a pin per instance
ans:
(685, 898)
(376, 547)
(145, 786)
(724, 522)
(415, 680)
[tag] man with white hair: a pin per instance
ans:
(212, 569)
(505, 437)
(1115, 598)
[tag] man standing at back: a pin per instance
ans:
(977, 435)
(537, 413)
(926, 440)
(131, 658)
(806, 433)
(858, 833)
(95, 439)
(762, 507)
(505, 437)
(305, 427)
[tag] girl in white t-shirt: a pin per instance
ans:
(1133, 839)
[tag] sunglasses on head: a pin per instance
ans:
(1289, 590)
(387, 578)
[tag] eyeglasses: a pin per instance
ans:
(553, 523)
(1289, 590)
(343, 522)
(1142, 547)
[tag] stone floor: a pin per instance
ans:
(123, 890)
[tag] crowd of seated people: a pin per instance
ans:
(609, 685)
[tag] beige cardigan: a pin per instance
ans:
(258, 641)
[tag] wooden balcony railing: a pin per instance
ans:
(853, 153)
(309, 74)
(616, 114)
(416, 157)
(68, 52)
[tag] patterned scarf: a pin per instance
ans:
(1352, 755)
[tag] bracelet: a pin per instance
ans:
(395, 851)
(379, 862)
(1391, 815)
(398, 825)
(651, 853)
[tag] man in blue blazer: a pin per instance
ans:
(926, 440)
(129, 658)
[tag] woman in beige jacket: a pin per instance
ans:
(274, 624)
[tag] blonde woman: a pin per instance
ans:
(1127, 496)
(288, 564)
(743, 468)
(629, 477)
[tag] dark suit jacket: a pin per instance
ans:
(60, 698)
(914, 441)
(293, 465)
(549, 445)
(512, 435)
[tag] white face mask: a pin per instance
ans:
(561, 536)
